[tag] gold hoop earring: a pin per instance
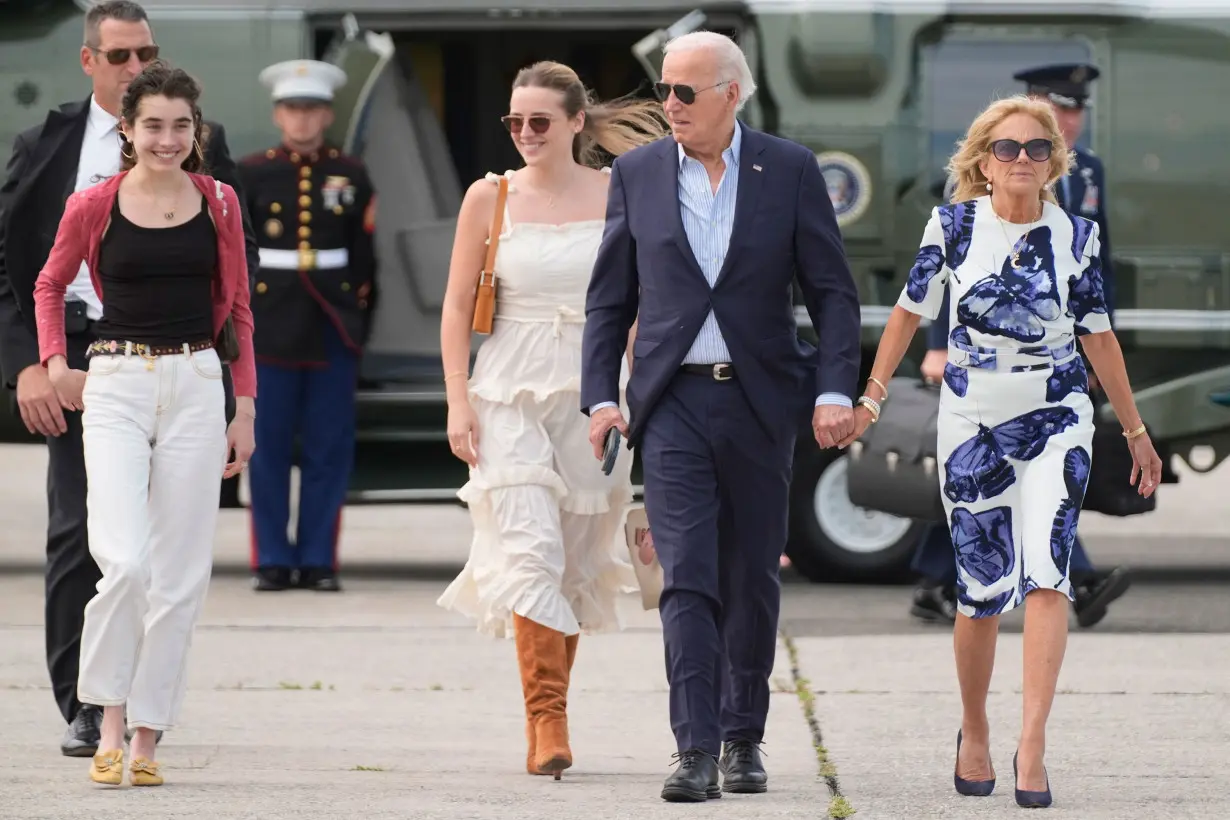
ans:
(196, 147)
(132, 154)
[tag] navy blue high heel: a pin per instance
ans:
(1032, 800)
(970, 788)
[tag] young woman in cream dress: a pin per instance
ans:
(548, 557)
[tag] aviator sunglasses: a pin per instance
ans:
(119, 56)
(515, 122)
(686, 94)
(1038, 150)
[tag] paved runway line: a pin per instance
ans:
(839, 806)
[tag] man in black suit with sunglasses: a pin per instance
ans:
(75, 147)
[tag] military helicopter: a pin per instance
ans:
(878, 90)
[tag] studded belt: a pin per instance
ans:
(114, 347)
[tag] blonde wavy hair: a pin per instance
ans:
(963, 166)
(617, 126)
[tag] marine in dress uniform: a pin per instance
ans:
(312, 208)
(1083, 191)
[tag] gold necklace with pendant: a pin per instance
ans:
(1015, 250)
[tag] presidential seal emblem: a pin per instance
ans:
(848, 183)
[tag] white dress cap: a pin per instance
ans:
(303, 80)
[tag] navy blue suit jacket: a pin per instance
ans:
(784, 229)
(1086, 197)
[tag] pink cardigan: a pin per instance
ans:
(86, 217)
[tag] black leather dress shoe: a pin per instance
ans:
(319, 580)
(934, 604)
(1093, 596)
(82, 735)
(271, 579)
(742, 770)
(696, 779)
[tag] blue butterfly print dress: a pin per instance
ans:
(1016, 422)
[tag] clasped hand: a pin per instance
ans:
(834, 426)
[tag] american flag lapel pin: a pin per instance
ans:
(755, 167)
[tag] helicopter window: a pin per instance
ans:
(963, 74)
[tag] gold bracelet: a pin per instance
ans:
(880, 385)
(1131, 434)
(455, 374)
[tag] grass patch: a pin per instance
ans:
(367, 769)
(839, 805)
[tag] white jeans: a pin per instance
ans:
(155, 447)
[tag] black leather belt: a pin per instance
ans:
(721, 372)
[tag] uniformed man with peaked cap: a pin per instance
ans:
(1083, 191)
(312, 208)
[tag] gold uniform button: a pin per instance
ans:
(345, 286)
(305, 186)
(270, 154)
(305, 245)
(305, 201)
(338, 209)
(261, 287)
(305, 217)
(305, 171)
(333, 153)
(275, 208)
(294, 157)
(305, 232)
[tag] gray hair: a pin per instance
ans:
(122, 10)
(731, 61)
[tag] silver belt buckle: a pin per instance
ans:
(718, 373)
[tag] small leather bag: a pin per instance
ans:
(484, 298)
(893, 467)
(1109, 490)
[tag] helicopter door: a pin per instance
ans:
(383, 116)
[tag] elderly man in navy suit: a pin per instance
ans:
(704, 234)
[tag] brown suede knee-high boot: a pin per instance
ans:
(542, 655)
(531, 766)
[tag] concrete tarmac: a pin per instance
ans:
(377, 704)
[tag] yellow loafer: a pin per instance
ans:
(108, 767)
(144, 772)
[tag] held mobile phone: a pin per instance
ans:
(611, 450)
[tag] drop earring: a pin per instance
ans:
(988, 186)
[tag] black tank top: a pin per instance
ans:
(158, 282)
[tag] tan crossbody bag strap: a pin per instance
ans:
(484, 300)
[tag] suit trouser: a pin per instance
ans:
(71, 576)
(716, 492)
(317, 407)
(154, 436)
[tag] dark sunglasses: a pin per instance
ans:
(119, 56)
(515, 123)
(1038, 150)
(686, 94)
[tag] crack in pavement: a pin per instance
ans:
(839, 805)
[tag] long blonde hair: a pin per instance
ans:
(616, 126)
(963, 166)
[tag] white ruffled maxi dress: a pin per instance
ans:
(548, 538)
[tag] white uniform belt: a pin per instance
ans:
(304, 259)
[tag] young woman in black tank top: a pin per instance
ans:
(155, 434)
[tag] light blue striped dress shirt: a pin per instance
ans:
(708, 221)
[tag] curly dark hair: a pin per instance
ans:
(161, 79)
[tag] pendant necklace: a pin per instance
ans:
(1015, 250)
